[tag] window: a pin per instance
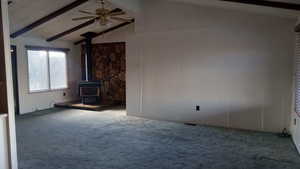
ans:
(38, 70)
(47, 69)
(58, 70)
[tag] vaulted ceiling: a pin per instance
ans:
(25, 12)
(249, 8)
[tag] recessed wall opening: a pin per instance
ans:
(103, 82)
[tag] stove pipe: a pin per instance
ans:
(88, 74)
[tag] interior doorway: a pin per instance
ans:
(15, 77)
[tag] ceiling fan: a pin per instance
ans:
(103, 15)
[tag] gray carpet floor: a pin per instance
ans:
(76, 139)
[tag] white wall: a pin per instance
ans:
(120, 35)
(10, 120)
(38, 101)
(295, 130)
(236, 65)
(295, 124)
(295, 119)
(3, 143)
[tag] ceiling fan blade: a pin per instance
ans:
(81, 18)
(116, 10)
(117, 13)
(120, 19)
(86, 12)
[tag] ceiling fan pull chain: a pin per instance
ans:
(102, 4)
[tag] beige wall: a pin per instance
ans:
(236, 65)
(38, 101)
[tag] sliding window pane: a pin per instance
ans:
(58, 70)
(38, 70)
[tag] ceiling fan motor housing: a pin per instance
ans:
(104, 15)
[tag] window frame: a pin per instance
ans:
(47, 49)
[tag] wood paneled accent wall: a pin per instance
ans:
(109, 67)
(3, 91)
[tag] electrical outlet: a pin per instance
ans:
(295, 122)
(190, 124)
(197, 108)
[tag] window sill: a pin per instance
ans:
(3, 115)
(47, 91)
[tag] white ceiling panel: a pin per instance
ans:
(24, 12)
(64, 22)
(30, 13)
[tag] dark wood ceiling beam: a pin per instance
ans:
(59, 35)
(48, 18)
(297, 28)
(106, 31)
(274, 4)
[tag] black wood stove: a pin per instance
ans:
(90, 92)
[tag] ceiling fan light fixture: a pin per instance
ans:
(103, 21)
(103, 16)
